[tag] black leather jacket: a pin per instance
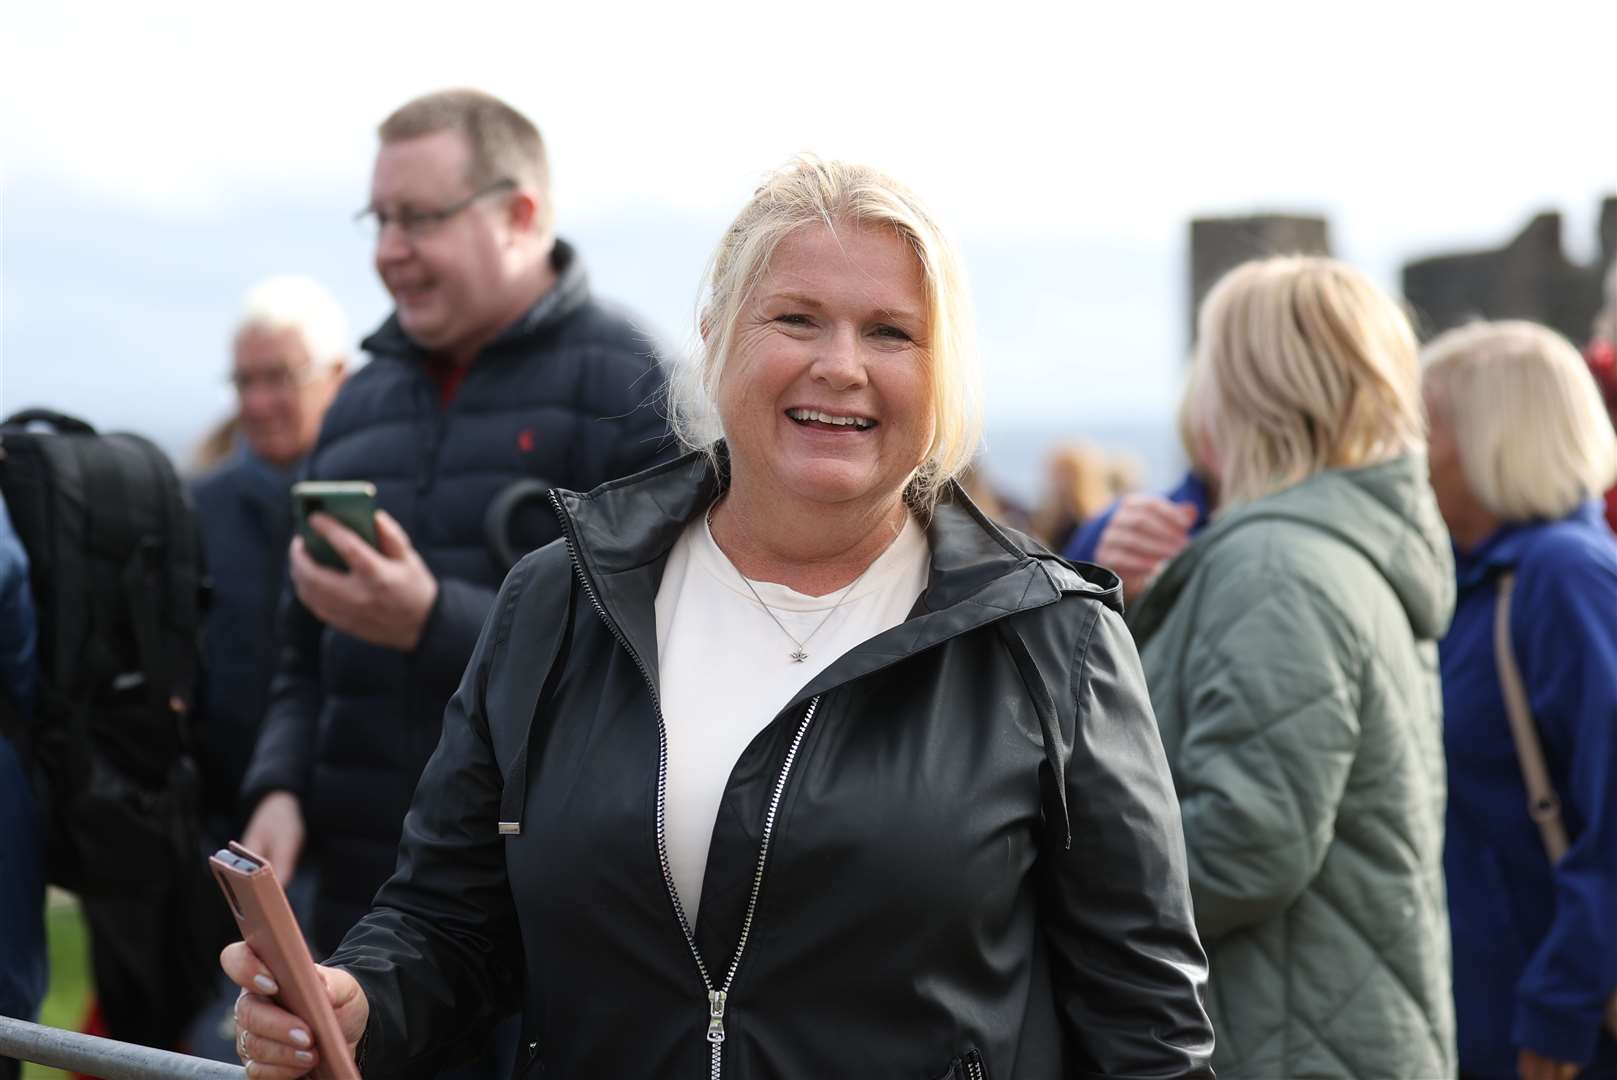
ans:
(956, 853)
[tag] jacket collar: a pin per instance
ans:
(1507, 547)
(621, 534)
(570, 291)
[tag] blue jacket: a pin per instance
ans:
(244, 508)
(1191, 489)
(1535, 949)
(568, 396)
(22, 875)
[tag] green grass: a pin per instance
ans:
(69, 993)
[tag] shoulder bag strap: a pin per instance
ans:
(1543, 805)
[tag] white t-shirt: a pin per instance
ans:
(726, 668)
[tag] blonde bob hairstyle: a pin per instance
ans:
(1532, 432)
(809, 191)
(1303, 366)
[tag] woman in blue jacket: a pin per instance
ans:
(1520, 449)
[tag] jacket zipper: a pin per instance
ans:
(973, 1062)
(717, 999)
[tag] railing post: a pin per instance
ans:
(106, 1058)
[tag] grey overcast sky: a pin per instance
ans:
(158, 158)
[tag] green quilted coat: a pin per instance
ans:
(1292, 658)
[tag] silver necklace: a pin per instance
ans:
(799, 654)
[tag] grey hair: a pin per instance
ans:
(295, 302)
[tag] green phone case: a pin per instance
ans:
(351, 502)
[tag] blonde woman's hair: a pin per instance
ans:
(217, 444)
(505, 145)
(1532, 432)
(1305, 366)
(809, 191)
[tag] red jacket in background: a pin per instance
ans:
(1602, 358)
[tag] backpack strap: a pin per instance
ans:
(1543, 805)
(62, 422)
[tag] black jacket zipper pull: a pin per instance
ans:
(715, 1013)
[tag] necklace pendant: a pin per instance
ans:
(799, 656)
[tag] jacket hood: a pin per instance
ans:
(570, 291)
(1385, 511)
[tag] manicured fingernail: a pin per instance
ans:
(303, 1055)
(299, 1036)
(265, 983)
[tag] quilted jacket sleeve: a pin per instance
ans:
(1128, 971)
(1271, 731)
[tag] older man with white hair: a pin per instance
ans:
(290, 351)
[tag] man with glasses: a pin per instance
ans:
(498, 371)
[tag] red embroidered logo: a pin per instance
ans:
(525, 440)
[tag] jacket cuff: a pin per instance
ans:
(264, 777)
(1555, 1034)
(450, 635)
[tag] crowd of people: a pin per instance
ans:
(692, 717)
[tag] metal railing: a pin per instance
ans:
(105, 1058)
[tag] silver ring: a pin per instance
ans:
(241, 1046)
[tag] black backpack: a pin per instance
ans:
(116, 571)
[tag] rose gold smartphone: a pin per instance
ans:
(269, 928)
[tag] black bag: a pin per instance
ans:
(116, 573)
(118, 583)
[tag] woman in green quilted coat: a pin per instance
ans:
(1292, 659)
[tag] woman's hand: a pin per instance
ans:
(271, 1042)
(1531, 1066)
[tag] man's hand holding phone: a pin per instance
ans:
(385, 595)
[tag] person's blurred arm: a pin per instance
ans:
(1086, 538)
(23, 969)
(283, 757)
(1144, 533)
(1564, 623)
(1270, 736)
(19, 671)
(1128, 971)
(440, 955)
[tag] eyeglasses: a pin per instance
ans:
(277, 380)
(418, 223)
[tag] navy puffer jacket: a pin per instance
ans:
(244, 508)
(569, 395)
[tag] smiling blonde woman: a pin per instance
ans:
(828, 775)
